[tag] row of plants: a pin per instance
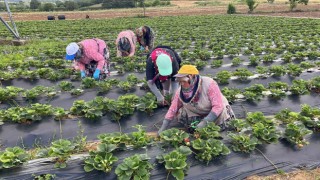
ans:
(205, 144)
(275, 90)
(124, 106)
(10, 93)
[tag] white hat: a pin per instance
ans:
(72, 48)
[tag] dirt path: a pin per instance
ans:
(295, 175)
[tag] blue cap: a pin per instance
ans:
(70, 57)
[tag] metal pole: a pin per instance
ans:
(12, 22)
(11, 30)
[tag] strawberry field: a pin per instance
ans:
(56, 125)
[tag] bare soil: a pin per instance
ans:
(178, 8)
(295, 175)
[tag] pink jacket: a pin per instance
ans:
(214, 95)
(92, 53)
(132, 39)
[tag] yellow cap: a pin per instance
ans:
(187, 69)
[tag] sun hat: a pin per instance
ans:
(164, 64)
(71, 50)
(186, 70)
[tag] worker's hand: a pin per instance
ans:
(83, 74)
(96, 74)
(165, 124)
(147, 49)
(162, 102)
(202, 124)
(141, 48)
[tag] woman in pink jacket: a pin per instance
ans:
(126, 43)
(197, 102)
(87, 53)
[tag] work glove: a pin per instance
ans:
(141, 48)
(83, 74)
(211, 117)
(202, 124)
(165, 124)
(96, 74)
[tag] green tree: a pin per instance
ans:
(294, 3)
(252, 4)
(34, 4)
(70, 5)
(47, 7)
(60, 4)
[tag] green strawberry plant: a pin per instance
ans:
(223, 77)
(268, 58)
(88, 82)
(33, 93)
(295, 133)
(262, 71)
(299, 87)
(9, 93)
(238, 125)
(59, 113)
(208, 149)
(12, 157)
(76, 92)
(243, 142)
(294, 69)
(308, 111)
(116, 138)
(139, 138)
(44, 176)
(278, 85)
(277, 94)
(125, 86)
(242, 73)
(77, 107)
(236, 61)
(210, 131)
(101, 159)
(134, 167)
(254, 92)
(61, 149)
(200, 64)
(306, 65)
(175, 162)
(104, 86)
(173, 136)
(147, 103)
(254, 60)
(216, 63)
(314, 84)
(265, 133)
(230, 93)
(66, 85)
(132, 79)
(256, 117)
(277, 70)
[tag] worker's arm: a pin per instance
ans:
(174, 108)
(150, 74)
(215, 97)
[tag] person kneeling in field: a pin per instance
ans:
(162, 64)
(126, 43)
(91, 57)
(145, 37)
(197, 102)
